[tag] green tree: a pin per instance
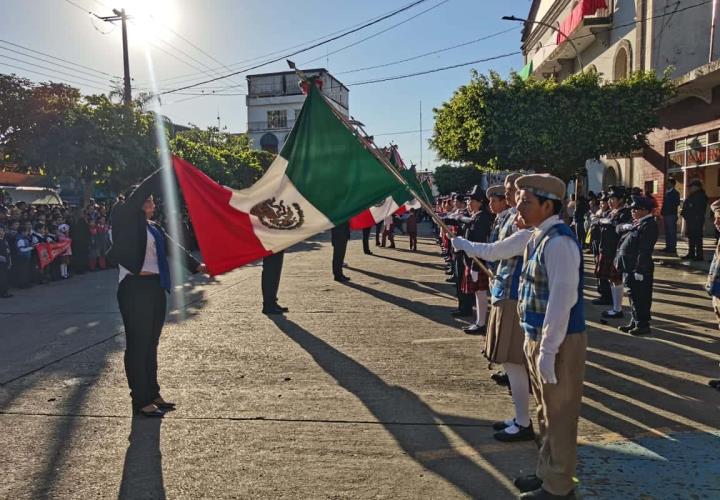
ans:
(547, 125)
(450, 179)
(225, 158)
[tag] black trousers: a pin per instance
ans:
(366, 239)
(339, 249)
(640, 297)
(695, 239)
(270, 281)
(142, 306)
(465, 300)
(23, 272)
(378, 232)
(4, 279)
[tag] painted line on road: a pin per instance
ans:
(444, 339)
(250, 419)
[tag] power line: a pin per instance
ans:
(419, 56)
(434, 70)
(96, 82)
(318, 44)
(78, 71)
(280, 51)
(57, 58)
(404, 132)
(378, 33)
(50, 76)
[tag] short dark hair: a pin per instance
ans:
(557, 204)
(672, 181)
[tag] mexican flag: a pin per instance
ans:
(322, 177)
(398, 202)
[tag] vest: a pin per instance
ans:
(507, 276)
(712, 286)
(535, 290)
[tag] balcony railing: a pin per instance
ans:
(261, 126)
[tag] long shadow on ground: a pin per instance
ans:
(411, 422)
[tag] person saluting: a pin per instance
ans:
(141, 247)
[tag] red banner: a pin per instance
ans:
(47, 252)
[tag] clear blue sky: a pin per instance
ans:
(234, 31)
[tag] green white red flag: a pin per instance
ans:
(322, 177)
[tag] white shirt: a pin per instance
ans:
(150, 264)
(562, 264)
(388, 222)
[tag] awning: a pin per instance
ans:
(582, 9)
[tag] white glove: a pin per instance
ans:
(546, 367)
(474, 275)
(625, 227)
(639, 277)
(459, 243)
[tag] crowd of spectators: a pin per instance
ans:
(24, 226)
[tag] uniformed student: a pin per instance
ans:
(474, 281)
(713, 280)
(340, 235)
(634, 260)
(609, 240)
(550, 308)
(455, 221)
(602, 284)
(505, 336)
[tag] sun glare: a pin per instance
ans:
(150, 19)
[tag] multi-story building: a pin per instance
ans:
(615, 37)
(274, 101)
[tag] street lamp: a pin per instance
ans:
(577, 52)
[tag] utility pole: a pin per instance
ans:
(122, 17)
(421, 138)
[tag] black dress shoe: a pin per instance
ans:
(341, 279)
(500, 378)
(640, 330)
(282, 308)
(502, 424)
(612, 314)
(273, 309)
(165, 406)
(715, 384)
(368, 252)
(527, 483)
(451, 279)
(474, 329)
(156, 413)
(524, 434)
(626, 328)
(457, 313)
(602, 301)
(541, 494)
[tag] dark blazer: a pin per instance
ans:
(129, 229)
(694, 207)
(636, 248)
(671, 202)
(609, 237)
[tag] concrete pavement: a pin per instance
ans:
(365, 390)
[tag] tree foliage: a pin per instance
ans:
(226, 158)
(547, 125)
(450, 179)
(51, 128)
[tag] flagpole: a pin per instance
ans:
(372, 148)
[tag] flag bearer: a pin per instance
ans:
(634, 260)
(505, 336)
(550, 308)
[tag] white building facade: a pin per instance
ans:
(274, 101)
(614, 38)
